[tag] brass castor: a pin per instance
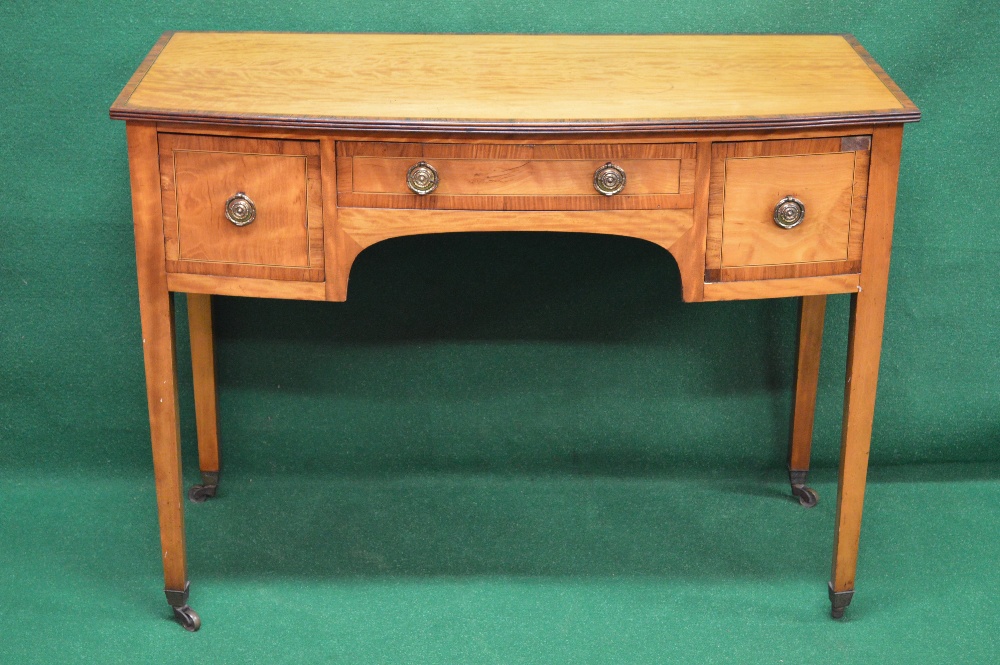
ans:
(201, 493)
(207, 489)
(839, 600)
(806, 495)
(187, 617)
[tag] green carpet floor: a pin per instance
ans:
(503, 568)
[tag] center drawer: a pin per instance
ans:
(515, 177)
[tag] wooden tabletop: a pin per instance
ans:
(496, 83)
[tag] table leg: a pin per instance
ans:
(864, 348)
(157, 314)
(812, 310)
(205, 403)
(859, 406)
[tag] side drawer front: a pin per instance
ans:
(829, 177)
(279, 179)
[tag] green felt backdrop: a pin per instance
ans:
(488, 351)
(503, 448)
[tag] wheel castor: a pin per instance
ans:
(200, 493)
(806, 495)
(187, 617)
(837, 612)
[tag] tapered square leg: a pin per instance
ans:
(812, 310)
(864, 348)
(205, 400)
(161, 389)
(156, 308)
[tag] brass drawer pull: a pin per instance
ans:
(609, 179)
(422, 178)
(240, 210)
(789, 212)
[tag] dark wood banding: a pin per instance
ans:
(908, 106)
(817, 269)
(122, 100)
(467, 127)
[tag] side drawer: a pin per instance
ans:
(787, 208)
(515, 177)
(242, 207)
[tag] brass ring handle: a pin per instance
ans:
(422, 178)
(789, 213)
(240, 210)
(609, 179)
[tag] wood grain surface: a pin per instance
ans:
(248, 288)
(754, 186)
(864, 348)
(515, 177)
(743, 169)
(206, 405)
(812, 313)
(156, 310)
(817, 269)
(367, 226)
(548, 83)
(198, 174)
(781, 288)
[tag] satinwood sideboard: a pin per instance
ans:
(263, 163)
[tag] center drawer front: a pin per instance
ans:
(515, 177)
